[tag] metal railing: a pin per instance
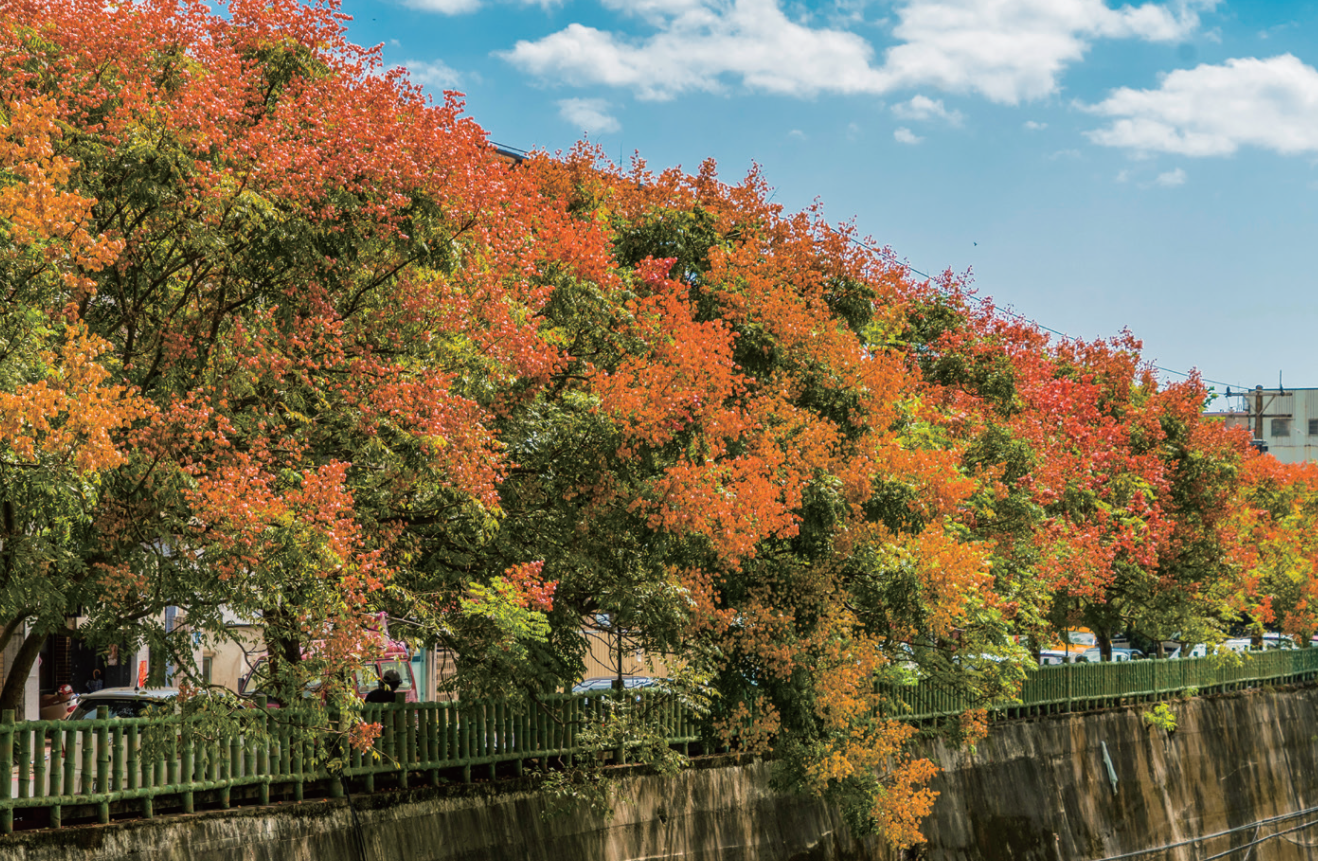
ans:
(62, 771)
(1081, 686)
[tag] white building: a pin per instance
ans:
(1286, 420)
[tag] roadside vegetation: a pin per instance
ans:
(282, 338)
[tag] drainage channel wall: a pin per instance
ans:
(1040, 790)
(1034, 790)
(723, 809)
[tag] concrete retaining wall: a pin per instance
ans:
(1039, 790)
(1035, 790)
(719, 811)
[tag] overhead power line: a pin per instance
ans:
(926, 276)
(1271, 820)
(518, 154)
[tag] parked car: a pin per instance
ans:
(120, 702)
(604, 683)
(1198, 650)
(59, 705)
(1271, 641)
(1053, 657)
(366, 675)
(1082, 637)
(1279, 641)
(1072, 649)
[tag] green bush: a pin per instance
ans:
(1161, 717)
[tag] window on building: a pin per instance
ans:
(1281, 427)
(1313, 427)
(207, 668)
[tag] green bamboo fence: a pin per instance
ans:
(64, 771)
(93, 770)
(1081, 686)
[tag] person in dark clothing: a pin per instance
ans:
(384, 693)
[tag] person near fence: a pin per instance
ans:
(384, 691)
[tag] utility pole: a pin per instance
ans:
(1258, 412)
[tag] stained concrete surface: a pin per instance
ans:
(1034, 790)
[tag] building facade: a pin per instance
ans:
(1285, 420)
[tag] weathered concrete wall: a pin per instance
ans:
(1038, 790)
(726, 813)
(1034, 790)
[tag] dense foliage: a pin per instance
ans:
(284, 340)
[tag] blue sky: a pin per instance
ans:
(1152, 166)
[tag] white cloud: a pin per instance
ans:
(654, 10)
(1123, 175)
(698, 43)
(1007, 50)
(1014, 50)
(923, 108)
(589, 115)
(461, 7)
(1171, 178)
(444, 7)
(437, 74)
(1214, 110)
(797, 134)
(1032, 126)
(906, 136)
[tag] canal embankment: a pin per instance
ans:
(1061, 787)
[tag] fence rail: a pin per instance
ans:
(64, 771)
(1068, 687)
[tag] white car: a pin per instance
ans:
(1054, 657)
(1119, 655)
(120, 702)
(1270, 641)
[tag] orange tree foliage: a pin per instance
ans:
(1278, 546)
(286, 341)
(60, 405)
(310, 286)
(1109, 499)
(729, 468)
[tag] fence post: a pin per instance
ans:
(7, 767)
(467, 716)
(263, 748)
(103, 771)
(1070, 673)
(344, 754)
(24, 761)
(402, 737)
(619, 752)
(56, 774)
(373, 714)
(434, 732)
(187, 776)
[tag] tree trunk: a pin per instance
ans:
(157, 662)
(10, 629)
(11, 696)
(282, 651)
(1104, 643)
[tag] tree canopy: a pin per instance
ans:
(285, 339)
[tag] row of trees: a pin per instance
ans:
(283, 339)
